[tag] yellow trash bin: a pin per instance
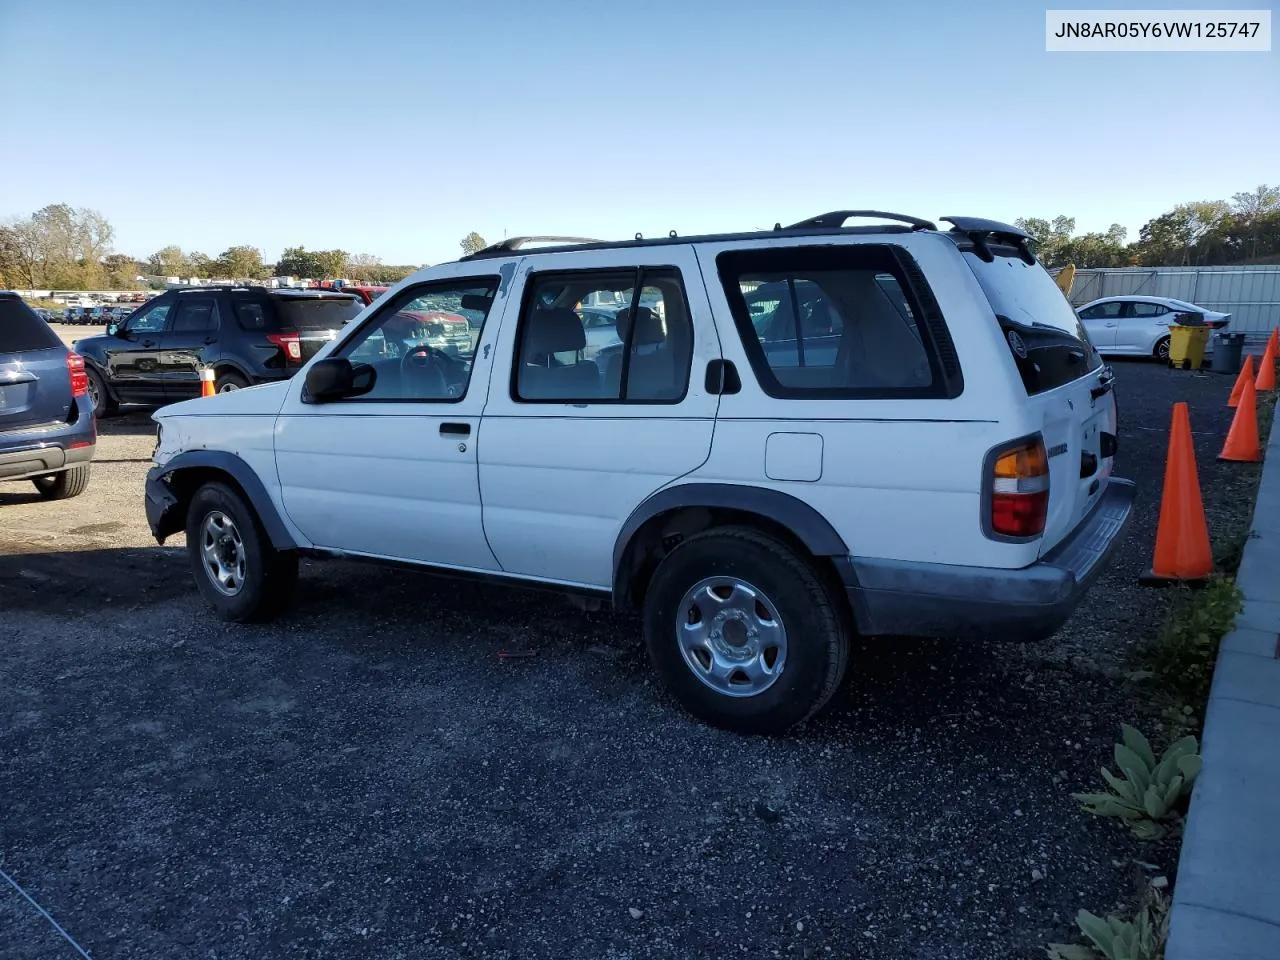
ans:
(1186, 345)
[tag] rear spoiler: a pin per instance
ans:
(980, 232)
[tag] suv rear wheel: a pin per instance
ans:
(103, 404)
(63, 486)
(237, 570)
(744, 632)
(230, 381)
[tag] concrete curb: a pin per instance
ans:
(1226, 903)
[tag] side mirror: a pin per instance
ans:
(113, 329)
(336, 379)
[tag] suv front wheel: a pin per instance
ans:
(237, 570)
(744, 632)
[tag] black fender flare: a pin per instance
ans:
(248, 481)
(809, 526)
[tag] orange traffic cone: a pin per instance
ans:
(1242, 439)
(206, 382)
(1182, 538)
(1246, 374)
(1267, 366)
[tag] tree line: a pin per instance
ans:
(1244, 229)
(66, 248)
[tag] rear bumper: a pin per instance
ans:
(942, 600)
(40, 451)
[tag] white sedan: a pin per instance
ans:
(1139, 326)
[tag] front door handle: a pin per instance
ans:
(455, 429)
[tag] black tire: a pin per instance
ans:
(817, 635)
(104, 405)
(65, 484)
(1161, 350)
(230, 381)
(269, 575)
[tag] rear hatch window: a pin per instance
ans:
(22, 329)
(316, 313)
(1045, 337)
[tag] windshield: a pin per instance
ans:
(314, 313)
(1045, 336)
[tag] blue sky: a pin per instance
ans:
(394, 128)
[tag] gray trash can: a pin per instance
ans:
(1228, 352)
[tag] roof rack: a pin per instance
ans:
(978, 230)
(836, 218)
(516, 243)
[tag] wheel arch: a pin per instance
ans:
(676, 512)
(187, 472)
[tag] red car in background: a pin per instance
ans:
(367, 294)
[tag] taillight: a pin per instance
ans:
(79, 379)
(289, 343)
(1018, 488)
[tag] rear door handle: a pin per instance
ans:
(455, 429)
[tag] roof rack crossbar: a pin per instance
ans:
(836, 218)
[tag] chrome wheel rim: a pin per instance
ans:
(1162, 350)
(731, 636)
(222, 551)
(95, 397)
(228, 387)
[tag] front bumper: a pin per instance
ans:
(164, 514)
(901, 598)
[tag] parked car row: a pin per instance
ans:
(781, 440)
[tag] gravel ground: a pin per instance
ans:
(364, 778)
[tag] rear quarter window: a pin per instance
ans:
(1044, 335)
(22, 330)
(842, 321)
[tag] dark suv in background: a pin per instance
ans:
(47, 430)
(248, 335)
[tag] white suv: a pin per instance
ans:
(803, 434)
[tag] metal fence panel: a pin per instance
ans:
(1251, 294)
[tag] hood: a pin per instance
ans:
(266, 399)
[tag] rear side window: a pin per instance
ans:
(1045, 337)
(835, 322)
(315, 313)
(22, 329)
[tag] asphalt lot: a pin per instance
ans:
(364, 778)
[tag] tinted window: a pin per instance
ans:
(149, 320)
(314, 313)
(252, 316)
(829, 322)
(1101, 311)
(196, 316)
(422, 343)
(604, 336)
(1148, 309)
(21, 328)
(1045, 336)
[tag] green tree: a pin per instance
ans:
(199, 265)
(240, 263)
(333, 263)
(298, 262)
(167, 262)
(361, 266)
(472, 243)
(121, 271)
(1050, 237)
(58, 245)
